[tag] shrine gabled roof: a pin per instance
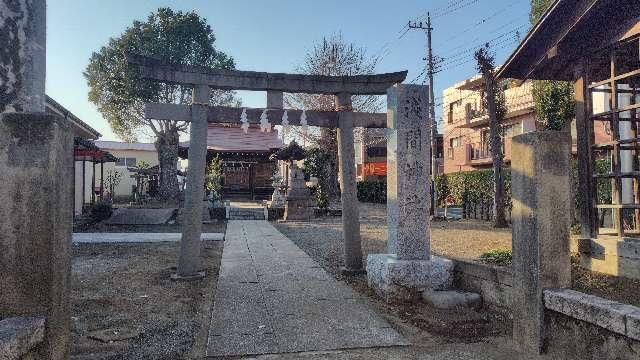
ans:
(225, 138)
(567, 32)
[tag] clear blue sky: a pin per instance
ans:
(274, 35)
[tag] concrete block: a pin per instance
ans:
(616, 317)
(404, 280)
(449, 300)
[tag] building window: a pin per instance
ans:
(126, 161)
(455, 142)
(378, 151)
(511, 130)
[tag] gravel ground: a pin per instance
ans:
(463, 239)
(322, 238)
(126, 288)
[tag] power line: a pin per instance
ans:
(454, 9)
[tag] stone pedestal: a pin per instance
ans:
(540, 225)
(36, 207)
(408, 268)
(404, 280)
(298, 205)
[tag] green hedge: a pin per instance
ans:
(473, 187)
(372, 192)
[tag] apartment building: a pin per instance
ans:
(466, 123)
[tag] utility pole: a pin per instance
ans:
(432, 106)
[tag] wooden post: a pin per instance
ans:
(84, 185)
(348, 188)
(584, 138)
(101, 180)
(189, 261)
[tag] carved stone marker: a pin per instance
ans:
(408, 268)
(298, 202)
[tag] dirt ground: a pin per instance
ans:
(464, 239)
(124, 290)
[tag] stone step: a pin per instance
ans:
(452, 299)
(246, 214)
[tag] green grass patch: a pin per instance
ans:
(500, 257)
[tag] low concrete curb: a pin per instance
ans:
(109, 238)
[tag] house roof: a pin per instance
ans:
(81, 128)
(568, 31)
(224, 138)
(117, 145)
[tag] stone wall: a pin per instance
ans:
(581, 326)
(493, 283)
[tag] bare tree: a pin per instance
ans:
(333, 56)
(494, 103)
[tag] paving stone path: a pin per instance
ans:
(273, 298)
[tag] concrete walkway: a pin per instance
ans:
(109, 238)
(273, 298)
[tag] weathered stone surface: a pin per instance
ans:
(22, 55)
(230, 115)
(114, 334)
(292, 306)
(189, 260)
(569, 338)
(408, 172)
(404, 280)
(349, 191)
(160, 70)
(613, 316)
(540, 217)
(452, 299)
(124, 216)
(20, 336)
(493, 283)
(36, 207)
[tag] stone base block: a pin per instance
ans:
(298, 209)
(452, 299)
(404, 280)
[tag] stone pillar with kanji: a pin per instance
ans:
(408, 268)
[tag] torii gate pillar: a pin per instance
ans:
(348, 188)
(189, 263)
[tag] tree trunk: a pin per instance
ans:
(167, 147)
(496, 152)
(329, 183)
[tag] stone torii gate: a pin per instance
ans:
(408, 149)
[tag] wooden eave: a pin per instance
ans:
(570, 30)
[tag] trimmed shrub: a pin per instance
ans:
(372, 192)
